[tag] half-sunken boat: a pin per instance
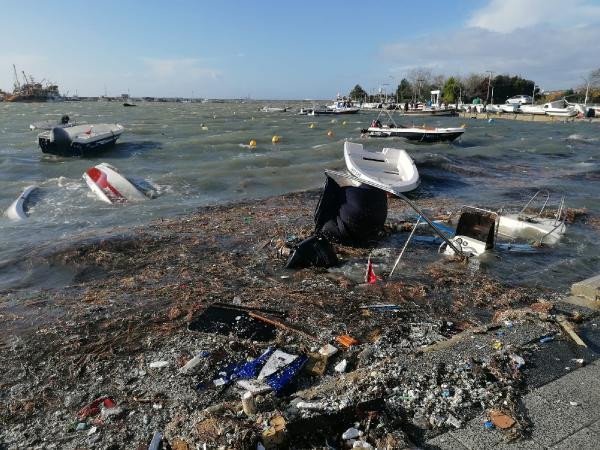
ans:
(80, 140)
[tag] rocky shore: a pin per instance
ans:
(98, 363)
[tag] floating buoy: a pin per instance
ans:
(333, 121)
(344, 122)
(490, 120)
(312, 125)
(252, 143)
(276, 139)
(330, 133)
(214, 116)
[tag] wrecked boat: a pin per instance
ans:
(111, 187)
(63, 122)
(80, 140)
(18, 210)
(545, 230)
(392, 167)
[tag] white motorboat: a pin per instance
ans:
(340, 106)
(80, 140)
(111, 187)
(509, 107)
(560, 108)
(390, 167)
(532, 109)
(18, 210)
(491, 108)
(475, 233)
(414, 133)
(271, 109)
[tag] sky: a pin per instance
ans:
(268, 49)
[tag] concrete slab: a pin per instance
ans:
(589, 288)
(583, 302)
(520, 445)
(444, 441)
(550, 424)
(584, 439)
(595, 427)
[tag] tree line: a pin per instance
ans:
(418, 84)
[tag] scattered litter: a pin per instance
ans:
(275, 362)
(92, 430)
(497, 345)
(574, 403)
(274, 436)
(579, 362)
(568, 328)
(362, 445)
(453, 421)
(346, 340)
(159, 364)
(223, 320)
(546, 339)
(380, 307)
(488, 425)
(81, 426)
(248, 404)
(518, 360)
(281, 324)
(501, 420)
(328, 350)
(156, 440)
(94, 408)
(194, 362)
(341, 366)
(351, 433)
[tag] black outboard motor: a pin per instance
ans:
(314, 251)
(351, 215)
(60, 139)
(64, 120)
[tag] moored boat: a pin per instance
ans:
(80, 140)
(391, 167)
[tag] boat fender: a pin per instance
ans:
(60, 138)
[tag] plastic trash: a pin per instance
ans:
(351, 433)
(546, 339)
(159, 364)
(341, 366)
(156, 440)
(328, 350)
(518, 360)
(194, 362)
(488, 425)
(248, 404)
(94, 407)
(346, 340)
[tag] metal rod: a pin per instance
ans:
(404, 248)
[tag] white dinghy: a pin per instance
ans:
(18, 209)
(111, 187)
(390, 167)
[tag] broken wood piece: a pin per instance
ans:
(346, 340)
(281, 324)
(568, 328)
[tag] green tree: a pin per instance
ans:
(404, 90)
(358, 93)
(451, 90)
(506, 86)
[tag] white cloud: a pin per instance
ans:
(508, 15)
(555, 55)
(191, 69)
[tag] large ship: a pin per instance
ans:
(32, 91)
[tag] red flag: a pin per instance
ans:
(370, 276)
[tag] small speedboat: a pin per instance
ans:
(63, 122)
(80, 140)
(414, 133)
(532, 109)
(560, 108)
(18, 210)
(391, 167)
(271, 109)
(509, 107)
(111, 187)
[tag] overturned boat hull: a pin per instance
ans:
(110, 186)
(18, 209)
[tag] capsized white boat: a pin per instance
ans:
(18, 209)
(545, 230)
(111, 187)
(391, 167)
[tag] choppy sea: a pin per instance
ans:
(197, 154)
